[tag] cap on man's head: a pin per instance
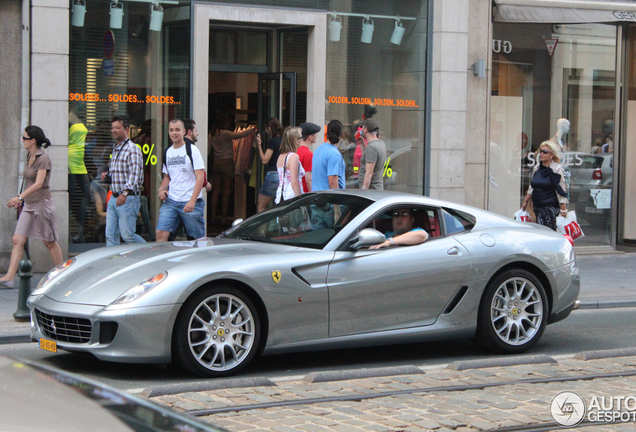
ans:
(309, 128)
(371, 124)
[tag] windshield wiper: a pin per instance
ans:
(256, 238)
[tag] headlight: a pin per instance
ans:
(140, 289)
(54, 273)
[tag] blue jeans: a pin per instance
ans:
(270, 184)
(122, 219)
(171, 213)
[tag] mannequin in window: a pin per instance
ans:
(563, 127)
(76, 168)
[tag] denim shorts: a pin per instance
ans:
(171, 213)
(270, 184)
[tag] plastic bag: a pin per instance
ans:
(569, 226)
(522, 216)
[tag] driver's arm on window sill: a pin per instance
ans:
(408, 238)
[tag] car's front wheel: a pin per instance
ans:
(216, 333)
(513, 312)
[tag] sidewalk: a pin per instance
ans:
(608, 280)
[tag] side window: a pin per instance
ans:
(456, 221)
(425, 218)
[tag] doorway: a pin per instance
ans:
(225, 73)
(243, 94)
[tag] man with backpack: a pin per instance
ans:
(180, 190)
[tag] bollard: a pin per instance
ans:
(25, 275)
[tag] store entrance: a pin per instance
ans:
(238, 102)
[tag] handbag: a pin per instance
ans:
(21, 205)
(522, 216)
(569, 226)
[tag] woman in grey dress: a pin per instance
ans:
(37, 219)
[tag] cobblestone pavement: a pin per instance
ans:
(511, 404)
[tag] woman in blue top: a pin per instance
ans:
(547, 188)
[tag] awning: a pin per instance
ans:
(564, 11)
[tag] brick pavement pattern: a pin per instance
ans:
(469, 410)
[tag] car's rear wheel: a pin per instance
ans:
(513, 312)
(216, 333)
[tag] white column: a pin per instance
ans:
(49, 106)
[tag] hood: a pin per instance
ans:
(99, 281)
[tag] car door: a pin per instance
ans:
(393, 288)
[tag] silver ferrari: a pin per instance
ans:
(302, 276)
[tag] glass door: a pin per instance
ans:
(276, 98)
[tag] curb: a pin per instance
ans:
(343, 375)
(193, 387)
(500, 362)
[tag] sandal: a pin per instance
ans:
(6, 284)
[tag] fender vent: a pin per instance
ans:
(459, 295)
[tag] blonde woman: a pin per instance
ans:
(547, 188)
(290, 170)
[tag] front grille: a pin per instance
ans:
(64, 329)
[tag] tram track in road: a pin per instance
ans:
(551, 426)
(436, 389)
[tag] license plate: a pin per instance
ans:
(48, 345)
(593, 210)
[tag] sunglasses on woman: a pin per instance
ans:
(544, 151)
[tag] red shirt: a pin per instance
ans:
(305, 155)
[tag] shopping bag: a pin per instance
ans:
(522, 216)
(569, 226)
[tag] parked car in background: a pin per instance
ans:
(588, 171)
(300, 276)
(591, 185)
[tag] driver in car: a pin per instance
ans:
(403, 232)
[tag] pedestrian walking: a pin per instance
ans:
(372, 161)
(290, 170)
(38, 216)
(181, 187)
(126, 176)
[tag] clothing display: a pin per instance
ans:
(76, 147)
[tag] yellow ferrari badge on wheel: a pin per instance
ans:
(276, 276)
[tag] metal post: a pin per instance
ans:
(25, 275)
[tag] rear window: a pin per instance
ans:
(456, 221)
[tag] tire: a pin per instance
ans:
(513, 313)
(217, 332)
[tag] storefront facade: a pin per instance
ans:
(292, 61)
(551, 63)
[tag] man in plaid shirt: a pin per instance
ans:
(127, 176)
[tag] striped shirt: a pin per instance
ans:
(126, 167)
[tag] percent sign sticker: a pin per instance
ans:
(388, 172)
(147, 150)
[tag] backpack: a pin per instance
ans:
(188, 146)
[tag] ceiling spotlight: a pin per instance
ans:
(116, 14)
(79, 13)
(335, 25)
(156, 17)
(367, 30)
(398, 33)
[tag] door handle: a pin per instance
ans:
(453, 251)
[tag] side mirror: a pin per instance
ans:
(237, 222)
(367, 237)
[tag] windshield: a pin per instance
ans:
(310, 220)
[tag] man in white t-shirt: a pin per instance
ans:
(180, 190)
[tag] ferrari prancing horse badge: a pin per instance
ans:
(276, 276)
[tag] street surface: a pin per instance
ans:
(584, 330)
